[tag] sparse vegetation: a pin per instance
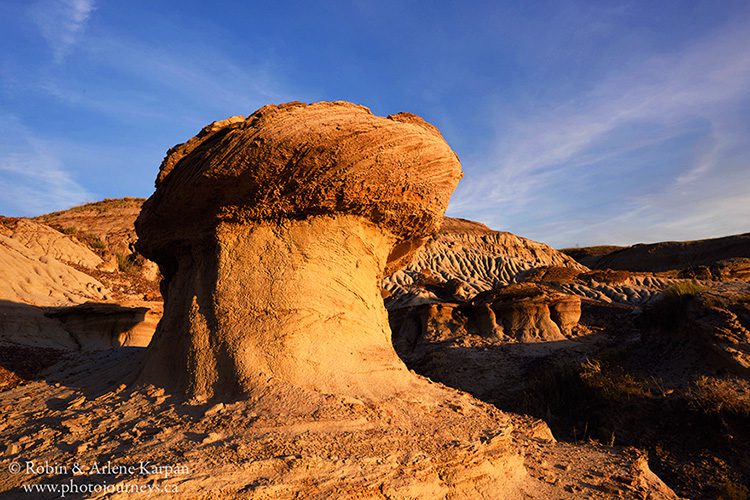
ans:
(100, 206)
(713, 395)
(9, 222)
(125, 263)
(574, 398)
(734, 491)
(669, 311)
(607, 402)
(92, 241)
(682, 289)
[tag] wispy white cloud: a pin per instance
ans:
(150, 95)
(32, 179)
(182, 84)
(61, 23)
(658, 99)
(201, 73)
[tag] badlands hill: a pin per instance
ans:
(71, 280)
(466, 258)
(476, 256)
(110, 221)
(720, 258)
(40, 265)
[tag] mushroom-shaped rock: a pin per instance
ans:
(273, 233)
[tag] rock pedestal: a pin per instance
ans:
(273, 234)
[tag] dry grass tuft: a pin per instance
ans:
(126, 264)
(714, 395)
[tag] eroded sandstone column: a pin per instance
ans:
(273, 233)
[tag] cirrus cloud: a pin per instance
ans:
(61, 23)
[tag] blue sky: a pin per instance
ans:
(576, 122)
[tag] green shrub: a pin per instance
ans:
(92, 241)
(684, 289)
(669, 311)
(584, 400)
(125, 263)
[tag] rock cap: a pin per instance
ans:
(297, 160)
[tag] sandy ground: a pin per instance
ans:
(287, 444)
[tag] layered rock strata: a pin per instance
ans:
(273, 234)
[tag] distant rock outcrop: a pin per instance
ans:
(467, 258)
(706, 327)
(110, 221)
(272, 234)
(523, 312)
(605, 286)
(733, 269)
(98, 327)
(529, 312)
(473, 256)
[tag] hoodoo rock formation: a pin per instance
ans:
(273, 234)
(272, 373)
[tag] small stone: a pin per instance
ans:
(212, 438)
(72, 424)
(214, 409)
(156, 392)
(77, 402)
